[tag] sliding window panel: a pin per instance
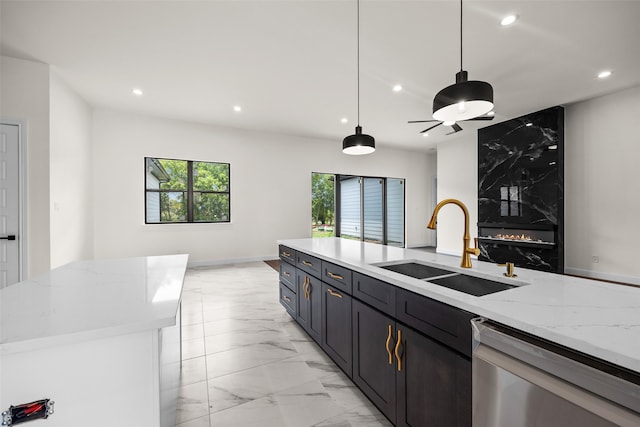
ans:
(350, 207)
(395, 212)
(373, 190)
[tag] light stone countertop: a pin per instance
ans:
(91, 299)
(596, 318)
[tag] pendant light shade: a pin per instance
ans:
(358, 143)
(463, 100)
(466, 98)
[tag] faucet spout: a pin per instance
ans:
(466, 250)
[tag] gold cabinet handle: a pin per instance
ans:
(334, 294)
(334, 276)
(304, 287)
(286, 298)
(396, 351)
(287, 254)
(307, 286)
(286, 273)
(307, 263)
(387, 346)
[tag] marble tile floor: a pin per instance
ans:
(247, 363)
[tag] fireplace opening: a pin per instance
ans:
(517, 236)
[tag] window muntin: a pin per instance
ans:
(179, 191)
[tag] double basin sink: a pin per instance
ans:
(471, 285)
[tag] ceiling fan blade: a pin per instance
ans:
(456, 128)
(422, 121)
(480, 118)
(428, 129)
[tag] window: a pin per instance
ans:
(367, 208)
(179, 191)
(322, 204)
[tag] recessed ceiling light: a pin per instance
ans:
(136, 91)
(529, 124)
(508, 20)
(449, 122)
(344, 120)
(604, 74)
(237, 108)
(426, 134)
(397, 88)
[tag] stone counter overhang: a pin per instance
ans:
(91, 299)
(596, 318)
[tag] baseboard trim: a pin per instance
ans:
(609, 277)
(418, 245)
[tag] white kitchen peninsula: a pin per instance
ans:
(100, 338)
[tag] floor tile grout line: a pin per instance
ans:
(206, 367)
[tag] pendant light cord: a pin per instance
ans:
(460, 35)
(358, 55)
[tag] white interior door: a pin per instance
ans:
(9, 205)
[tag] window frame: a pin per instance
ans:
(361, 178)
(189, 191)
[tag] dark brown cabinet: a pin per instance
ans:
(288, 299)
(287, 254)
(409, 354)
(288, 275)
(374, 364)
(413, 380)
(433, 383)
(336, 327)
(309, 295)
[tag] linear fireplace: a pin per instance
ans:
(506, 234)
(520, 191)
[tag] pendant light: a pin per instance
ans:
(358, 143)
(465, 99)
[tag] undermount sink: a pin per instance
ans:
(415, 270)
(471, 285)
(449, 279)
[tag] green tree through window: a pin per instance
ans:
(186, 191)
(322, 204)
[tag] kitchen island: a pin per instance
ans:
(100, 338)
(595, 319)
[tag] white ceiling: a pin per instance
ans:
(291, 65)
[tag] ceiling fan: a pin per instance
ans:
(455, 126)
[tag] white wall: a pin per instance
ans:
(457, 179)
(602, 190)
(71, 194)
(602, 186)
(24, 89)
(270, 187)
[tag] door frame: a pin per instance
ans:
(22, 194)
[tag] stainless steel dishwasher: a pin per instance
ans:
(520, 381)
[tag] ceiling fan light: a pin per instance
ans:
(358, 143)
(476, 98)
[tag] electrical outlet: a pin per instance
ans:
(595, 259)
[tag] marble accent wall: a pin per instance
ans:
(520, 185)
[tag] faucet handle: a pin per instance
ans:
(475, 251)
